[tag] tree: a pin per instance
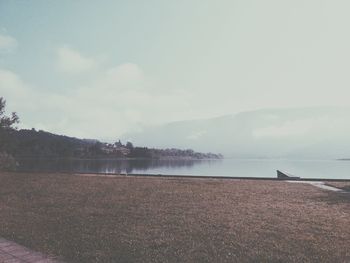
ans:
(129, 145)
(7, 122)
(7, 162)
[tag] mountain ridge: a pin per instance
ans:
(309, 132)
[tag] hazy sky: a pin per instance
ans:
(98, 69)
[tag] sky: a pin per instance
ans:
(100, 69)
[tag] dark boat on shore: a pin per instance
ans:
(286, 176)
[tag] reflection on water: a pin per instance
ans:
(104, 165)
(225, 167)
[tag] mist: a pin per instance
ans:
(300, 133)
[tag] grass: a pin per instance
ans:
(141, 219)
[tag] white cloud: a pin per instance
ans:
(11, 86)
(7, 43)
(72, 62)
(116, 100)
(125, 72)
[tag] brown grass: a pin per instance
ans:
(140, 219)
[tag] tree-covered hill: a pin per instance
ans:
(41, 144)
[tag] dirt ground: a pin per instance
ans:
(148, 219)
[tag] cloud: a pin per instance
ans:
(287, 129)
(7, 43)
(72, 62)
(113, 101)
(11, 86)
(332, 122)
(196, 135)
(120, 99)
(126, 76)
(125, 72)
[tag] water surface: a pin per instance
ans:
(226, 167)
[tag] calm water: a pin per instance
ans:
(226, 167)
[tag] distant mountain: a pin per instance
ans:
(318, 132)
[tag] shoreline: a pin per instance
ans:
(186, 176)
(119, 158)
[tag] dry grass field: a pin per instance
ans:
(148, 219)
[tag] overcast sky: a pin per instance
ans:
(98, 69)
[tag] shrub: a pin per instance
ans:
(7, 162)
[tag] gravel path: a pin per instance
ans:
(321, 185)
(11, 252)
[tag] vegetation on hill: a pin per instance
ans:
(42, 144)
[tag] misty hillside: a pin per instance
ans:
(320, 132)
(42, 144)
